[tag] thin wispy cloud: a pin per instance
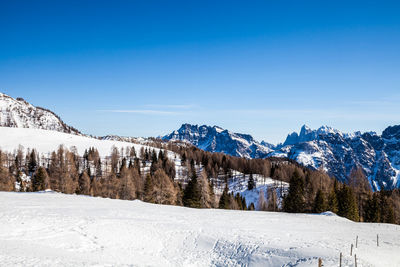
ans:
(142, 111)
(189, 106)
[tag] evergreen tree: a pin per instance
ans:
(320, 202)
(148, 189)
(295, 199)
(40, 179)
(192, 194)
(347, 203)
(224, 199)
(251, 183)
(371, 209)
(32, 165)
(333, 202)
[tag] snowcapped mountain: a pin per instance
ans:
(338, 153)
(216, 139)
(327, 148)
(18, 113)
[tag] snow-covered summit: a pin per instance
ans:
(217, 139)
(18, 113)
(338, 153)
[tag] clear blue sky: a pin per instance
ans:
(141, 68)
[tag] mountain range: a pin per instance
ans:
(325, 148)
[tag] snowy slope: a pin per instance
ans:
(19, 113)
(51, 229)
(45, 141)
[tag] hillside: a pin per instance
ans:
(48, 229)
(45, 141)
(20, 114)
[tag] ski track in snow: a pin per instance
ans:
(49, 229)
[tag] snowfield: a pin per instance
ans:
(52, 229)
(45, 141)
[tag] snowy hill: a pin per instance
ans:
(45, 141)
(52, 229)
(216, 139)
(20, 114)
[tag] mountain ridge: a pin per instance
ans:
(336, 152)
(21, 114)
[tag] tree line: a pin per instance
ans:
(203, 182)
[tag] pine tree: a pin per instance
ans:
(40, 179)
(251, 183)
(224, 199)
(371, 209)
(192, 193)
(295, 199)
(333, 202)
(347, 203)
(320, 202)
(32, 165)
(148, 189)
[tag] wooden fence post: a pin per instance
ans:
(355, 260)
(319, 262)
(340, 260)
(377, 240)
(351, 250)
(356, 241)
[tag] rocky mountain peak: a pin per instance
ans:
(21, 114)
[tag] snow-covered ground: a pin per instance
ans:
(52, 229)
(45, 141)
